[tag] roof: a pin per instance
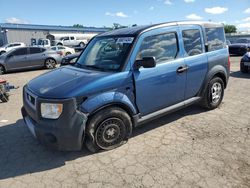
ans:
(126, 31)
(133, 31)
(51, 27)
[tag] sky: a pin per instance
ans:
(101, 13)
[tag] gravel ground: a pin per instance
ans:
(189, 148)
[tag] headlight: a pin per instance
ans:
(51, 110)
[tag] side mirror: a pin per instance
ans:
(146, 62)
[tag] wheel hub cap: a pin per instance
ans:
(216, 92)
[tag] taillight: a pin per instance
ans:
(60, 53)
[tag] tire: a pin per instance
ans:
(82, 44)
(215, 87)
(243, 69)
(2, 69)
(50, 63)
(2, 52)
(68, 53)
(5, 98)
(108, 129)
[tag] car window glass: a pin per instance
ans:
(163, 47)
(53, 48)
(61, 48)
(192, 41)
(43, 49)
(35, 50)
(16, 44)
(71, 38)
(215, 38)
(22, 51)
(66, 38)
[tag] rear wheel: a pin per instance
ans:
(2, 52)
(107, 129)
(50, 63)
(82, 44)
(213, 94)
(2, 70)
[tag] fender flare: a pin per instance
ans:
(103, 100)
(216, 70)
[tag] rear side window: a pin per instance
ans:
(71, 38)
(16, 44)
(215, 38)
(22, 51)
(192, 41)
(163, 47)
(35, 50)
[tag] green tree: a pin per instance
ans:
(78, 25)
(230, 28)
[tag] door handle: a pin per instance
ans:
(182, 69)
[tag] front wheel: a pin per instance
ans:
(243, 68)
(1, 70)
(213, 94)
(50, 63)
(107, 129)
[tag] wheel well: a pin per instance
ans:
(3, 67)
(59, 44)
(120, 105)
(222, 76)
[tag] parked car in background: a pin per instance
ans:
(43, 43)
(80, 41)
(124, 78)
(70, 59)
(64, 49)
(11, 46)
(239, 47)
(28, 58)
(245, 62)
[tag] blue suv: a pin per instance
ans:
(124, 78)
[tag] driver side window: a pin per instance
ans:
(21, 51)
(164, 47)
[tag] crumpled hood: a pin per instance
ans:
(64, 82)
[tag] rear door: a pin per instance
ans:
(161, 86)
(35, 57)
(195, 59)
(17, 59)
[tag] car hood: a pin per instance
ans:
(66, 82)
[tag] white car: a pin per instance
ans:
(65, 50)
(11, 46)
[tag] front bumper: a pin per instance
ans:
(65, 133)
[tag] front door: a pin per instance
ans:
(17, 59)
(161, 86)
